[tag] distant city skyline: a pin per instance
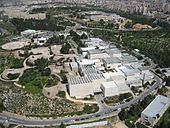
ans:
(153, 8)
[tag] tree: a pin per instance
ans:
(134, 89)
(128, 25)
(46, 24)
(124, 96)
(46, 72)
(122, 114)
(72, 33)
(167, 79)
(65, 48)
(84, 36)
(88, 109)
(61, 94)
(63, 76)
(61, 37)
(101, 21)
(2, 108)
(13, 76)
(158, 71)
(62, 125)
(32, 40)
(162, 91)
(56, 40)
(41, 64)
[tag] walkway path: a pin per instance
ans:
(21, 72)
(80, 101)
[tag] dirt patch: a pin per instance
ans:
(15, 45)
(141, 26)
(41, 50)
(21, 13)
(120, 125)
(52, 91)
(56, 49)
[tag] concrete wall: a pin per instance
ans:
(97, 56)
(118, 55)
(111, 66)
(145, 119)
(154, 120)
(84, 90)
(109, 91)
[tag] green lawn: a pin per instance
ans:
(34, 81)
(13, 62)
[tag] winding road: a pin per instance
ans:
(106, 112)
(102, 113)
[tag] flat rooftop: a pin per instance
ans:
(74, 64)
(142, 68)
(109, 84)
(156, 106)
(89, 70)
(112, 60)
(113, 51)
(83, 80)
(128, 71)
(129, 59)
(95, 51)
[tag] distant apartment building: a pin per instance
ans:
(154, 111)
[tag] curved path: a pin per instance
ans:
(89, 117)
(21, 73)
(80, 101)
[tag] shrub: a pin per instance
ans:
(13, 76)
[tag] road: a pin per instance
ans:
(79, 25)
(88, 117)
(103, 112)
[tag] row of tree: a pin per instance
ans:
(134, 112)
(57, 40)
(77, 38)
(23, 24)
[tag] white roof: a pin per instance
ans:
(96, 39)
(64, 34)
(120, 82)
(101, 123)
(118, 78)
(137, 50)
(129, 59)
(79, 32)
(128, 71)
(42, 39)
(142, 68)
(111, 60)
(29, 31)
(109, 84)
(88, 61)
(83, 80)
(95, 51)
(113, 51)
(74, 64)
(87, 48)
(156, 106)
(107, 75)
(123, 88)
(94, 12)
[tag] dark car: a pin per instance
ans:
(97, 115)
(82, 118)
(77, 119)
